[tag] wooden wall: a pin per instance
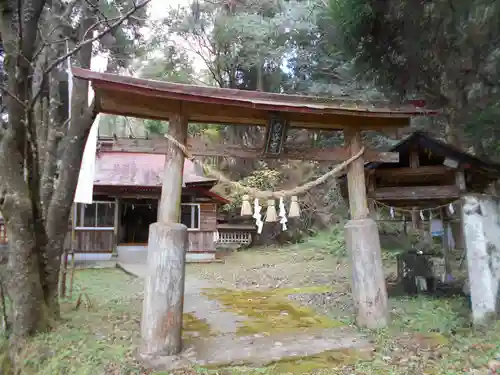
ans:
(103, 241)
(94, 241)
(203, 239)
(200, 241)
(208, 217)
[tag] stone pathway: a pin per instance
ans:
(229, 348)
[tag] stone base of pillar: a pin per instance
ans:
(161, 323)
(369, 289)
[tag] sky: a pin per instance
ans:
(158, 9)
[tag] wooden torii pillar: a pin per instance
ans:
(363, 244)
(161, 324)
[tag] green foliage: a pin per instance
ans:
(331, 240)
(155, 126)
(169, 64)
(482, 130)
(262, 179)
(126, 42)
(400, 45)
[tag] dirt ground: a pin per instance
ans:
(287, 267)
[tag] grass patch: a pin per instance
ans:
(432, 336)
(268, 312)
(332, 241)
(326, 360)
(91, 341)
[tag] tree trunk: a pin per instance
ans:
(30, 311)
(19, 166)
(64, 190)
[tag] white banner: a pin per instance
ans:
(85, 188)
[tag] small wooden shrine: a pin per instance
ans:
(127, 190)
(429, 175)
(423, 189)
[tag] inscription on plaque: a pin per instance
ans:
(276, 136)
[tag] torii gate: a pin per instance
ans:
(179, 104)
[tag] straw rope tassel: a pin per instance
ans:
(246, 208)
(294, 210)
(271, 216)
(282, 214)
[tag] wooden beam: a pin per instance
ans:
(119, 102)
(416, 193)
(198, 147)
(391, 173)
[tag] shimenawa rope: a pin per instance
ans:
(263, 194)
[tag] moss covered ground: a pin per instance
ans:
(268, 312)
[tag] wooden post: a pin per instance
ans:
(460, 180)
(161, 325)
(363, 242)
(415, 219)
(462, 186)
(116, 222)
(446, 245)
(414, 157)
(356, 178)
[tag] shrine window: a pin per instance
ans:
(190, 215)
(99, 214)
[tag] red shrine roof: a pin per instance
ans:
(129, 96)
(134, 169)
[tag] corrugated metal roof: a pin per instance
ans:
(138, 169)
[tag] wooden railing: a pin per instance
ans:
(234, 238)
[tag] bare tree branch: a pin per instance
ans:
(82, 44)
(98, 36)
(4, 89)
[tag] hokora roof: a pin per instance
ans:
(132, 169)
(129, 96)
